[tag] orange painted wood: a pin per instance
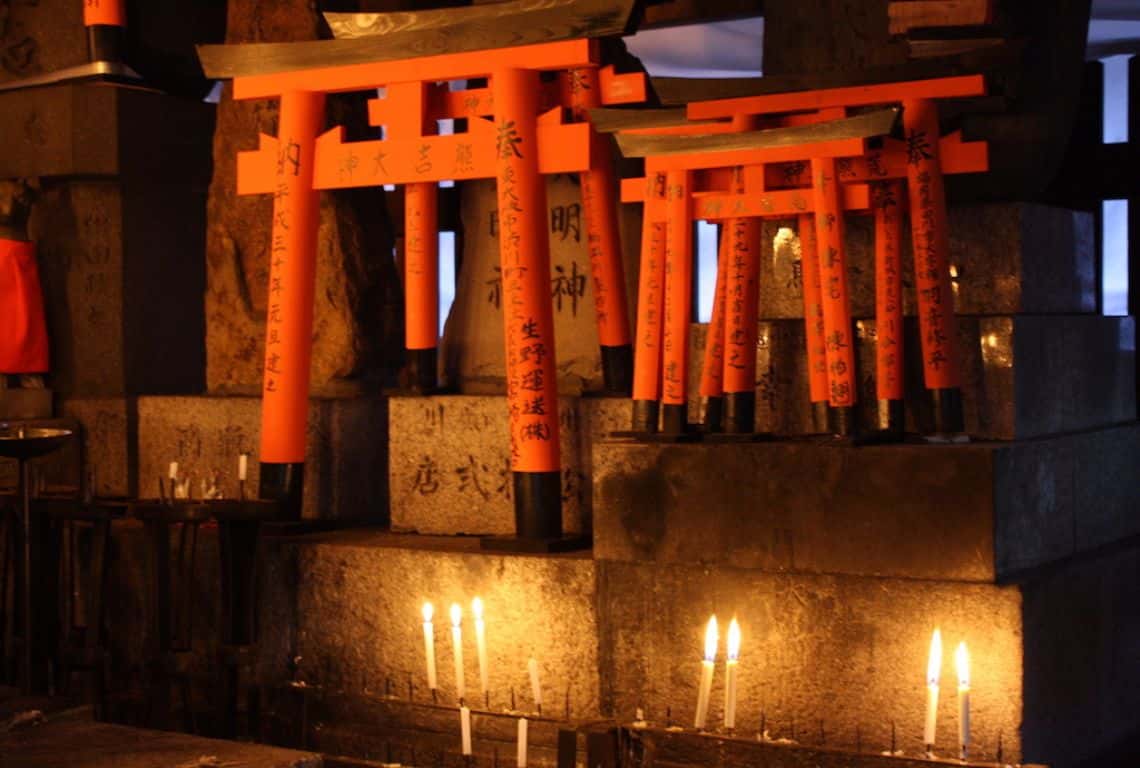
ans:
(813, 310)
(112, 13)
(742, 290)
(730, 158)
(524, 248)
(292, 273)
(838, 337)
(905, 16)
(678, 288)
(24, 340)
(565, 54)
(931, 245)
(650, 305)
(887, 206)
(712, 370)
(421, 266)
(852, 96)
(717, 206)
(600, 206)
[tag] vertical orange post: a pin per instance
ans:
(931, 242)
(678, 301)
(650, 310)
(421, 282)
(886, 202)
(104, 20)
(838, 338)
(712, 372)
(528, 313)
(600, 205)
(289, 302)
(813, 321)
(742, 293)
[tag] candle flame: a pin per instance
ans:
(711, 639)
(456, 615)
(733, 642)
(962, 662)
(934, 664)
(477, 609)
(428, 613)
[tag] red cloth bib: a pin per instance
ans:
(23, 334)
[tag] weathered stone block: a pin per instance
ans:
(110, 442)
(450, 461)
(975, 512)
(22, 403)
(1023, 376)
(345, 449)
(1007, 259)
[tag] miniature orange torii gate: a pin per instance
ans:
(520, 144)
(758, 193)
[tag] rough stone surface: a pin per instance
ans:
(355, 328)
(1010, 258)
(39, 37)
(845, 650)
(1023, 376)
(110, 442)
(21, 403)
(968, 512)
(450, 466)
(359, 601)
(346, 446)
(473, 347)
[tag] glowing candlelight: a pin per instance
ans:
(962, 662)
(535, 687)
(711, 640)
(457, 649)
(521, 758)
(465, 729)
(480, 644)
(173, 471)
(429, 646)
(243, 466)
(933, 668)
(731, 663)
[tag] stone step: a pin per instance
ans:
(1007, 258)
(345, 450)
(976, 512)
(1023, 375)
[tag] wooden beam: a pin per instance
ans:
(671, 13)
(909, 14)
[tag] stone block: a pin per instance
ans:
(22, 403)
(41, 37)
(345, 449)
(1009, 258)
(359, 622)
(110, 442)
(1023, 376)
(977, 512)
(473, 349)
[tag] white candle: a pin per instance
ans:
(465, 729)
(429, 646)
(731, 663)
(711, 640)
(457, 649)
(480, 644)
(933, 669)
(535, 686)
(173, 471)
(243, 466)
(962, 662)
(521, 760)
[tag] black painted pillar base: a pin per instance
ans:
(947, 406)
(740, 413)
(891, 417)
(714, 414)
(105, 43)
(283, 483)
(843, 421)
(538, 517)
(645, 416)
(617, 369)
(820, 416)
(237, 540)
(674, 419)
(422, 367)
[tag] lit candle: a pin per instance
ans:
(457, 648)
(243, 466)
(962, 662)
(933, 667)
(173, 472)
(535, 687)
(480, 644)
(465, 729)
(429, 646)
(732, 654)
(711, 640)
(521, 761)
